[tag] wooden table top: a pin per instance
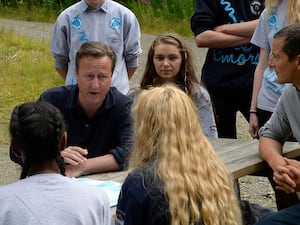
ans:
(241, 157)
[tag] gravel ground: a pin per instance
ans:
(254, 189)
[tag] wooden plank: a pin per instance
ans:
(241, 157)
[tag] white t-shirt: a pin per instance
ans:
(269, 24)
(52, 199)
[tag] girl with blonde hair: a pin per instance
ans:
(175, 175)
(266, 88)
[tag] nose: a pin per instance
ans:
(270, 63)
(95, 83)
(165, 62)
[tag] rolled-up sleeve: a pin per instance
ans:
(124, 136)
(205, 16)
(278, 126)
(59, 43)
(132, 45)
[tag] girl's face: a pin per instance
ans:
(167, 60)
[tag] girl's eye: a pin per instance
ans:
(159, 58)
(173, 58)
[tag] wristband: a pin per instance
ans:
(253, 111)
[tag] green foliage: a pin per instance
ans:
(155, 17)
(163, 15)
(26, 70)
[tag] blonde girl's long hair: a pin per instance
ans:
(167, 134)
(292, 10)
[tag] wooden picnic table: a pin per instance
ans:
(241, 157)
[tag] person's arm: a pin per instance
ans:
(214, 39)
(131, 71)
(60, 46)
(270, 151)
(258, 77)
(116, 158)
(132, 44)
(211, 32)
(78, 164)
(205, 111)
(240, 29)
(288, 177)
(62, 72)
(99, 164)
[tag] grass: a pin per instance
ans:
(158, 18)
(26, 70)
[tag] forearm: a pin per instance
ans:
(100, 164)
(258, 76)
(239, 29)
(271, 151)
(62, 72)
(131, 71)
(213, 39)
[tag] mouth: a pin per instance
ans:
(166, 71)
(93, 93)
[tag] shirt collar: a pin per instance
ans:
(108, 102)
(84, 7)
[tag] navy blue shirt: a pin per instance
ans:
(142, 200)
(107, 132)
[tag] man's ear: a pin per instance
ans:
(15, 148)
(63, 141)
(298, 61)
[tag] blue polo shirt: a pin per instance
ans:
(107, 132)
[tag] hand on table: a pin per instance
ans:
(75, 158)
(74, 155)
(287, 177)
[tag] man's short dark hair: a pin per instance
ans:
(96, 49)
(291, 36)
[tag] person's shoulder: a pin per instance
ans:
(76, 6)
(134, 91)
(290, 89)
(11, 190)
(141, 175)
(200, 92)
(58, 91)
(113, 5)
(75, 187)
(119, 97)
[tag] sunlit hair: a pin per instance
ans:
(98, 50)
(37, 128)
(196, 183)
(291, 36)
(151, 77)
(292, 10)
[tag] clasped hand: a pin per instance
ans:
(75, 157)
(287, 177)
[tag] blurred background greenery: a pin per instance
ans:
(155, 16)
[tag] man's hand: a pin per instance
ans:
(75, 171)
(253, 125)
(74, 155)
(288, 177)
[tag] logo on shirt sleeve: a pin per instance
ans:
(256, 7)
